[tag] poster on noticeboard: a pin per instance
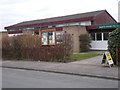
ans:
(51, 38)
(44, 38)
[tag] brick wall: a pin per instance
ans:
(75, 31)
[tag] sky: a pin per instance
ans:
(15, 11)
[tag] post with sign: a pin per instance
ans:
(107, 59)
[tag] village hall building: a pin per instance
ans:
(97, 24)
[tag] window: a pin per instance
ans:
(99, 36)
(36, 28)
(12, 30)
(21, 29)
(49, 26)
(44, 27)
(72, 24)
(92, 36)
(61, 25)
(53, 26)
(36, 33)
(86, 23)
(29, 28)
(59, 37)
(105, 35)
(10, 35)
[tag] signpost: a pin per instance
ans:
(107, 59)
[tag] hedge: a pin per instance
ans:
(113, 42)
(28, 47)
(84, 42)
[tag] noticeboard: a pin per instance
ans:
(48, 37)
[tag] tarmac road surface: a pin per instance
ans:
(18, 78)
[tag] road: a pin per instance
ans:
(18, 78)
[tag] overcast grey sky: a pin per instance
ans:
(15, 11)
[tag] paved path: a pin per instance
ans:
(91, 61)
(89, 67)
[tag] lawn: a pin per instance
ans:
(76, 57)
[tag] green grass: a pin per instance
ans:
(76, 57)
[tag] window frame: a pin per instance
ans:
(102, 36)
(97, 38)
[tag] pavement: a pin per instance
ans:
(89, 67)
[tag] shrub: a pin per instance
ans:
(28, 47)
(29, 41)
(84, 42)
(7, 49)
(16, 47)
(113, 42)
(68, 44)
(27, 44)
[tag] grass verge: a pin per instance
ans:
(70, 58)
(77, 57)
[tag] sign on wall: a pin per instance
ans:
(107, 59)
(48, 37)
(109, 26)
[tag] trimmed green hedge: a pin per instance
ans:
(113, 42)
(84, 42)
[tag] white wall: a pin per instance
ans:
(99, 45)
